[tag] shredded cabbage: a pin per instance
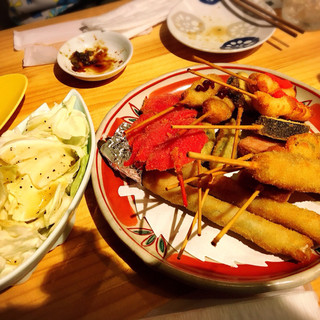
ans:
(40, 170)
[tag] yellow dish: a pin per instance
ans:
(12, 89)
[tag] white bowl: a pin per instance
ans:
(64, 226)
(119, 49)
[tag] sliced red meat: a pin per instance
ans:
(158, 103)
(159, 147)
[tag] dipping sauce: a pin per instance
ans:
(93, 60)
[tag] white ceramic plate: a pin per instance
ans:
(217, 26)
(119, 48)
(121, 213)
(64, 226)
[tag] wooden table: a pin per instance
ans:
(94, 275)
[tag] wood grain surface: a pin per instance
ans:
(94, 275)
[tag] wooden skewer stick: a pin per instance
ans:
(263, 15)
(143, 123)
(235, 162)
(222, 83)
(227, 227)
(215, 66)
(272, 15)
(236, 135)
(199, 201)
(195, 219)
(218, 126)
(186, 239)
(215, 172)
(198, 120)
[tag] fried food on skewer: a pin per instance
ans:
(306, 144)
(270, 84)
(200, 91)
(283, 106)
(252, 227)
(218, 110)
(291, 216)
(278, 129)
(284, 170)
(228, 226)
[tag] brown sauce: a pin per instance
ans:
(95, 60)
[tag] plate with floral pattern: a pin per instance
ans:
(125, 211)
(218, 26)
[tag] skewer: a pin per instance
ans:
(205, 115)
(275, 128)
(253, 82)
(236, 135)
(183, 190)
(199, 201)
(227, 227)
(269, 17)
(163, 112)
(270, 14)
(143, 123)
(186, 239)
(235, 162)
(195, 219)
(222, 83)
(215, 172)
(218, 126)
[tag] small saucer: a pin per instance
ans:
(116, 48)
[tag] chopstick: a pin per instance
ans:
(270, 17)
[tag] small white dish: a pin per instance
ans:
(117, 47)
(217, 26)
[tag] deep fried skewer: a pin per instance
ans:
(227, 227)
(250, 226)
(285, 170)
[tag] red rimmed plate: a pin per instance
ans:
(120, 211)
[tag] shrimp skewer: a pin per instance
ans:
(284, 106)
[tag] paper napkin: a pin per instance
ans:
(132, 19)
(296, 304)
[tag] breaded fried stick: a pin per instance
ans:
(287, 214)
(287, 170)
(254, 228)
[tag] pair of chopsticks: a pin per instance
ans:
(268, 16)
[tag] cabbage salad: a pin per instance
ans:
(40, 171)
